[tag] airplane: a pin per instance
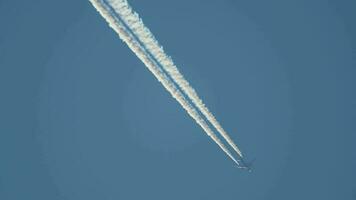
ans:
(245, 165)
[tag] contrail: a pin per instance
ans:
(144, 35)
(115, 23)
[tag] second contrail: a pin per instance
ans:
(115, 22)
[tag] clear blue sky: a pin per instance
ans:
(82, 118)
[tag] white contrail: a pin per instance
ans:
(105, 10)
(145, 36)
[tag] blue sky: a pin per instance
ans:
(82, 118)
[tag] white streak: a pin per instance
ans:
(115, 23)
(132, 20)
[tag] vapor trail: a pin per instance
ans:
(144, 35)
(115, 23)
